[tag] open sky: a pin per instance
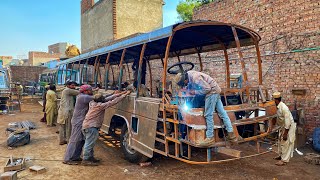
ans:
(32, 25)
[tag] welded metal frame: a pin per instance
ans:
(165, 108)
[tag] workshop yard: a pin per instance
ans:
(45, 151)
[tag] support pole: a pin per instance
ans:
(150, 74)
(244, 72)
(107, 67)
(121, 69)
(140, 68)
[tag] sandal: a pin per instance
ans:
(281, 163)
(277, 158)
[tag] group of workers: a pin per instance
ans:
(79, 117)
(199, 83)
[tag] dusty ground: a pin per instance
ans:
(44, 147)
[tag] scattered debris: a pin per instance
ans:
(10, 175)
(125, 170)
(144, 164)
(22, 125)
(299, 152)
(38, 169)
(18, 137)
(312, 158)
(14, 164)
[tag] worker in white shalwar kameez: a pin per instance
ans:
(287, 132)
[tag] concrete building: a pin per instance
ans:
(6, 60)
(109, 20)
(59, 48)
(37, 58)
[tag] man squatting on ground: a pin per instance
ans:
(93, 122)
(202, 84)
(66, 110)
(76, 141)
(287, 132)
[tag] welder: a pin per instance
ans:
(198, 83)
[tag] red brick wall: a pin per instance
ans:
(86, 4)
(24, 74)
(290, 33)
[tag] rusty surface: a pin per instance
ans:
(140, 68)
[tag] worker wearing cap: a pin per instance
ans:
(287, 132)
(76, 141)
(93, 122)
(66, 110)
(202, 84)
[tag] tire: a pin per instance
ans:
(130, 154)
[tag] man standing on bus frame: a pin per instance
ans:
(202, 84)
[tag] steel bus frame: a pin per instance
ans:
(151, 125)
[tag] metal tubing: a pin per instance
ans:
(79, 68)
(87, 78)
(226, 57)
(164, 78)
(65, 77)
(107, 71)
(200, 61)
(140, 67)
(71, 71)
(150, 74)
(81, 73)
(95, 71)
(241, 60)
(259, 61)
(121, 69)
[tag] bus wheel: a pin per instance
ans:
(130, 154)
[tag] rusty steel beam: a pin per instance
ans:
(243, 67)
(140, 68)
(150, 74)
(107, 66)
(121, 68)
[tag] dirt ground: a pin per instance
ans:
(45, 149)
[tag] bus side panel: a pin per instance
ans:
(143, 127)
(123, 109)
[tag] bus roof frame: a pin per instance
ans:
(157, 41)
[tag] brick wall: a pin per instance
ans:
(24, 74)
(290, 33)
(86, 4)
(36, 58)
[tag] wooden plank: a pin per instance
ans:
(229, 152)
(10, 175)
(38, 169)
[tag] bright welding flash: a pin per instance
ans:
(185, 107)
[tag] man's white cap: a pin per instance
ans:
(276, 95)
